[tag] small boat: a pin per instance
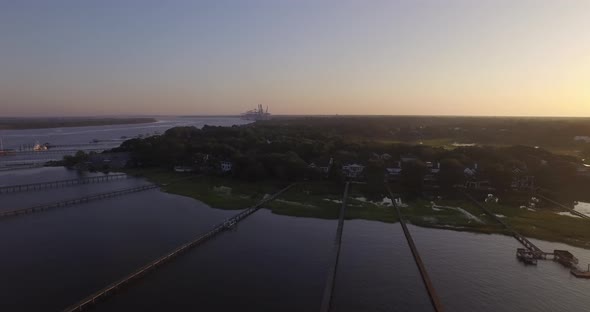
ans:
(39, 148)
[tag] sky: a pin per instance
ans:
(365, 57)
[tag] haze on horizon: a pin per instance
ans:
(425, 57)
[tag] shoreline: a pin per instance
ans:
(310, 200)
(51, 123)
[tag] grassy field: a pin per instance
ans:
(546, 224)
(324, 199)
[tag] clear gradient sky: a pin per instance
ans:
(451, 57)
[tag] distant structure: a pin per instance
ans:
(257, 114)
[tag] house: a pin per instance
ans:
(325, 167)
(353, 170)
(226, 166)
(520, 180)
(523, 182)
(479, 185)
(433, 168)
(474, 182)
(471, 173)
(431, 177)
(393, 174)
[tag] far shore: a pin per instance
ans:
(24, 123)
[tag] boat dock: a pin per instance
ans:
(60, 183)
(531, 253)
(112, 288)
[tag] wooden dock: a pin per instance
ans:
(22, 166)
(225, 225)
(531, 253)
(434, 299)
(335, 256)
(536, 251)
(76, 201)
(60, 183)
(51, 152)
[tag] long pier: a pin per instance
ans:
(59, 183)
(432, 294)
(50, 152)
(335, 256)
(76, 201)
(531, 253)
(21, 166)
(227, 224)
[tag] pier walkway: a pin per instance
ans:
(76, 201)
(21, 166)
(335, 256)
(60, 183)
(531, 253)
(434, 299)
(50, 152)
(225, 225)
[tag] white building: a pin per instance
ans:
(353, 170)
(226, 166)
(325, 168)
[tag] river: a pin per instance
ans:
(93, 138)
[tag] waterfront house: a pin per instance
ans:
(393, 173)
(431, 177)
(322, 166)
(521, 181)
(353, 170)
(226, 166)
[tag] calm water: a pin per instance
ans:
(108, 136)
(269, 263)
